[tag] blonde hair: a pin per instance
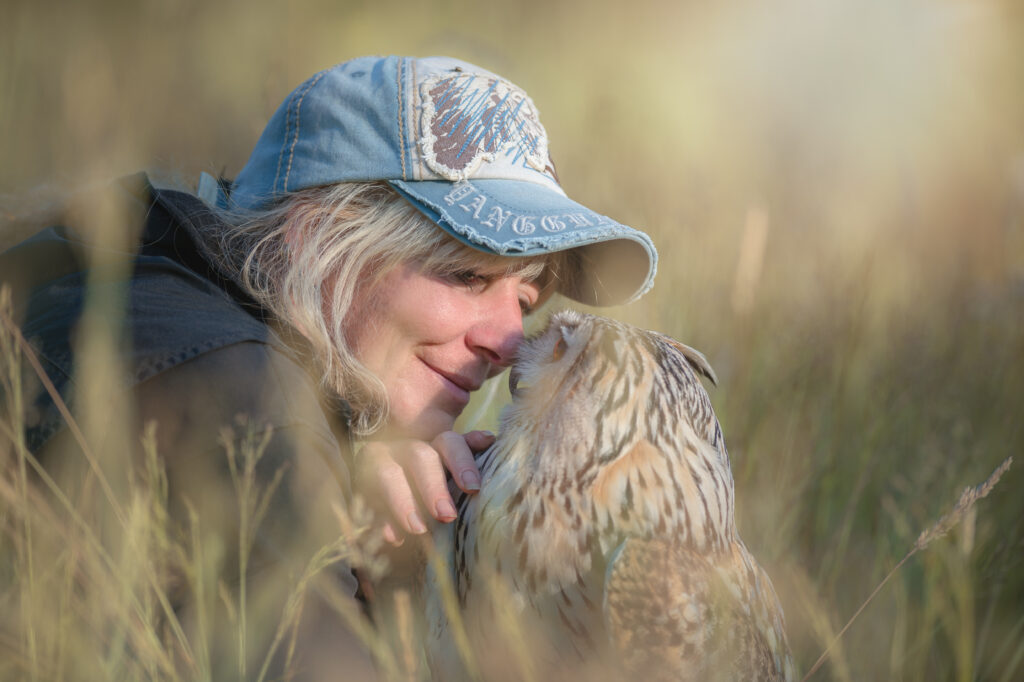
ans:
(307, 257)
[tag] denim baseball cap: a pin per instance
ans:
(463, 145)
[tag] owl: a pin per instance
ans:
(602, 544)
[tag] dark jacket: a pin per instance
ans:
(198, 355)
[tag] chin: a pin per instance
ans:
(426, 425)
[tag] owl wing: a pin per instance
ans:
(672, 613)
(655, 610)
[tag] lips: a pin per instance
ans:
(459, 385)
(465, 383)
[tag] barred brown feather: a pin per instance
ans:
(603, 538)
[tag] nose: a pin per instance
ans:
(499, 328)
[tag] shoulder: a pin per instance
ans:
(173, 311)
(260, 381)
(238, 386)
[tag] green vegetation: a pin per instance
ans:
(837, 193)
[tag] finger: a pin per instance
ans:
(391, 536)
(478, 441)
(458, 459)
(425, 469)
(390, 481)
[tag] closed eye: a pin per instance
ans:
(476, 281)
(470, 279)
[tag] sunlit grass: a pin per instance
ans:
(837, 193)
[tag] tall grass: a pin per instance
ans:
(837, 193)
(92, 603)
(107, 586)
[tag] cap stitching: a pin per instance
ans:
(401, 128)
(295, 141)
(598, 232)
(284, 143)
(414, 97)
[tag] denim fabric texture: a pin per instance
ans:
(463, 145)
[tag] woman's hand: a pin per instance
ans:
(406, 478)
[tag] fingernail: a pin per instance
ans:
(445, 510)
(470, 480)
(415, 524)
(489, 434)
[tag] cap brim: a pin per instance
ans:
(517, 218)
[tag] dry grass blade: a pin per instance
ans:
(130, 606)
(355, 547)
(406, 635)
(452, 610)
(947, 522)
(26, 351)
(962, 507)
(252, 507)
(313, 580)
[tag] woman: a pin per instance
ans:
(367, 270)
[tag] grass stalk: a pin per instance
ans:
(10, 353)
(406, 635)
(450, 603)
(252, 507)
(968, 498)
(72, 424)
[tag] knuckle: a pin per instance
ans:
(452, 444)
(453, 438)
(429, 480)
(432, 485)
(443, 442)
(389, 472)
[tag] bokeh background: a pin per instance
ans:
(836, 188)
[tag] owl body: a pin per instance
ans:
(603, 541)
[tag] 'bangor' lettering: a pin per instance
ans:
(523, 224)
(475, 205)
(496, 218)
(460, 191)
(466, 197)
(552, 223)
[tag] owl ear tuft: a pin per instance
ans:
(695, 358)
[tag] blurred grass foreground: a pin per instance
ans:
(836, 189)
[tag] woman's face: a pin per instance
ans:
(433, 340)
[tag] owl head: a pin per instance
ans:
(588, 370)
(612, 422)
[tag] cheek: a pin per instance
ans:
(432, 312)
(386, 325)
(358, 327)
(368, 332)
(418, 405)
